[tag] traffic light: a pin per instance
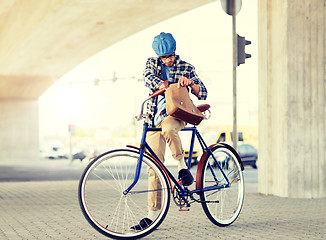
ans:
(242, 55)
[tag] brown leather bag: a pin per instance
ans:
(179, 105)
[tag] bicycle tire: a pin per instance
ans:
(222, 206)
(101, 197)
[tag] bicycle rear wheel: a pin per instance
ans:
(102, 200)
(222, 206)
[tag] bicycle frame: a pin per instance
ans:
(183, 191)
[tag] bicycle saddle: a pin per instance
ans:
(203, 107)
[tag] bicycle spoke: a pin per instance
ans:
(228, 199)
(101, 194)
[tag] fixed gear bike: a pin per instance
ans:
(114, 188)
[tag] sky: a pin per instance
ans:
(204, 38)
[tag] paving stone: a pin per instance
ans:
(50, 210)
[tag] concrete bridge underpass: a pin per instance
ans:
(42, 40)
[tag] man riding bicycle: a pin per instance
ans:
(167, 65)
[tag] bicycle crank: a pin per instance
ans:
(180, 201)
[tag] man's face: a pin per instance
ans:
(168, 60)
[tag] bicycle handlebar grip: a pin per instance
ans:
(161, 89)
(158, 92)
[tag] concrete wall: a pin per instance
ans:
(19, 130)
(292, 103)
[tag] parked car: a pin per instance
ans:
(53, 152)
(79, 155)
(56, 150)
(248, 154)
(194, 159)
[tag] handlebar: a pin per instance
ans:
(160, 90)
(141, 115)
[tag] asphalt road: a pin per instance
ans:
(41, 170)
(62, 170)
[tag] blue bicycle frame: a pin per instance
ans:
(183, 191)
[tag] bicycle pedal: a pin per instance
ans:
(184, 210)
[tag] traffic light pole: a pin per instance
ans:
(232, 7)
(235, 63)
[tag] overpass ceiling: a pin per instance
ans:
(42, 40)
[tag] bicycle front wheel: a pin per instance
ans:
(102, 200)
(223, 205)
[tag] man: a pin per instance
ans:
(167, 66)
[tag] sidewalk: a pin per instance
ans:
(50, 210)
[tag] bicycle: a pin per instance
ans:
(113, 189)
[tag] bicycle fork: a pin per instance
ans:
(140, 159)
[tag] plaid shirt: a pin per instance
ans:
(152, 78)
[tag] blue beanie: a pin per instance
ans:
(164, 44)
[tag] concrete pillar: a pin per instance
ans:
(19, 130)
(292, 102)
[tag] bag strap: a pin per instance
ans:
(163, 71)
